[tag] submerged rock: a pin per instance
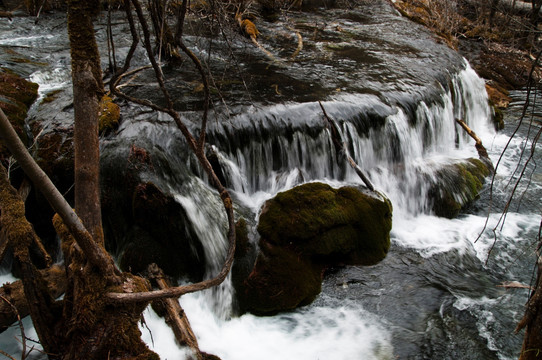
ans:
(305, 230)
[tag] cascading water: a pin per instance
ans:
(395, 153)
(398, 155)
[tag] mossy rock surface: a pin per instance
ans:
(457, 186)
(109, 116)
(17, 88)
(281, 280)
(16, 96)
(338, 225)
(305, 230)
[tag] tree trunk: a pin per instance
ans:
(87, 92)
(93, 328)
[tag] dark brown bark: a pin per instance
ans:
(92, 328)
(175, 316)
(87, 92)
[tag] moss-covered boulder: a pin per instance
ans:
(305, 230)
(16, 96)
(456, 186)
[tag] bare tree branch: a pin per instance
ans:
(341, 148)
(201, 70)
(198, 149)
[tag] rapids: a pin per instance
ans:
(395, 93)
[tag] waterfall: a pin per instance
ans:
(207, 216)
(395, 147)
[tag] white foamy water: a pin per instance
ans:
(11, 339)
(431, 235)
(314, 332)
(51, 79)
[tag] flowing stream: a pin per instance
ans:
(436, 295)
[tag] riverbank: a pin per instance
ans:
(497, 42)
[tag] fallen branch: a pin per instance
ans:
(299, 45)
(55, 277)
(340, 147)
(6, 14)
(482, 152)
(249, 29)
(175, 316)
(514, 285)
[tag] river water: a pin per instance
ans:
(436, 295)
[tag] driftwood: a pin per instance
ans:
(6, 14)
(175, 316)
(514, 285)
(340, 147)
(482, 152)
(250, 30)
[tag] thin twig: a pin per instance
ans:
(2, 352)
(520, 121)
(21, 327)
(201, 70)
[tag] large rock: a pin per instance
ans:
(143, 222)
(305, 230)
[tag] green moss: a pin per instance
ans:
(303, 231)
(109, 115)
(280, 280)
(18, 89)
(458, 186)
(324, 222)
(498, 118)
